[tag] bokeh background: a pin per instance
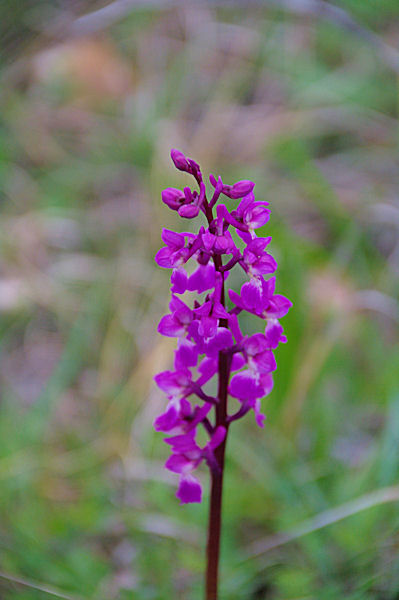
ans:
(300, 96)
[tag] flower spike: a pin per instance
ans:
(210, 341)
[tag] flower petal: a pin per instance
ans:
(188, 211)
(244, 387)
(279, 306)
(172, 197)
(220, 341)
(168, 420)
(202, 279)
(251, 293)
(189, 490)
(172, 239)
(179, 281)
(178, 463)
(186, 354)
(217, 438)
(170, 326)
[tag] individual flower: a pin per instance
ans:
(186, 457)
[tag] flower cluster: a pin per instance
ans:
(209, 338)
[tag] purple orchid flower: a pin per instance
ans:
(210, 341)
(209, 329)
(186, 457)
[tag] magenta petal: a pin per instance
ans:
(249, 257)
(265, 362)
(194, 165)
(235, 327)
(184, 315)
(267, 383)
(241, 188)
(185, 408)
(258, 216)
(186, 354)
(237, 363)
(221, 243)
(244, 235)
(264, 265)
(268, 287)
(172, 239)
(274, 334)
(176, 304)
(258, 244)
(255, 344)
(245, 203)
(181, 312)
(244, 387)
(207, 367)
(195, 336)
(184, 444)
(173, 382)
(200, 413)
(219, 311)
(217, 438)
(225, 244)
(188, 194)
(172, 197)
(163, 258)
(251, 293)
(179, 281)
(178, 463)
(208, 326)
(236, 299)
(170, 327)
(279, 306)
(202, 279)
(189, 490)
(220, 341)
(204, 309)
(188, 211)
(168, 420)
(208, 239)
(179, 160)
(259, 417)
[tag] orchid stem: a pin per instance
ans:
(214, 529)
(215, 507)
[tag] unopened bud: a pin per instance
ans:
(239, 189)
(173, 198)
(180, 161)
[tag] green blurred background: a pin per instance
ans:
(89, 109)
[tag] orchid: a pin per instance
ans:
(210, 342)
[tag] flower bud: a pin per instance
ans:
(173, 198)
(239, 189)
(180, 161)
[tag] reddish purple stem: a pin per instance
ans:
(215, 505)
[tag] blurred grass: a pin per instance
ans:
(308, 111)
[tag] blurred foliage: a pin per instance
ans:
(309, 112)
